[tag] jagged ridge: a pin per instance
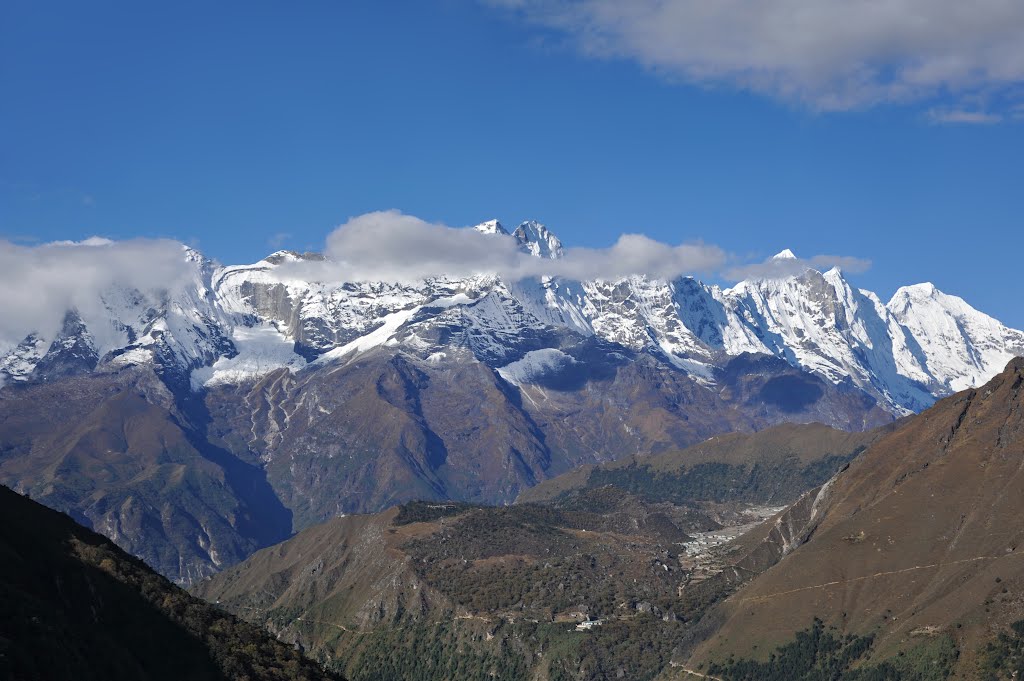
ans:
(235, 324)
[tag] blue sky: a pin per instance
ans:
(244, 127)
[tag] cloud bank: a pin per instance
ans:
(392, 246)
(828, 54)
(39, 284)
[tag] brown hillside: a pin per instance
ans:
(921, 535)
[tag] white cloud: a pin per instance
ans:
(829, 54)
(392, 246)
(963, 117)
(88, 241)
(637, 254)
(39, 284)
(278, 239)
(395, 246)
(776, 267)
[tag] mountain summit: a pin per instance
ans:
(537, 240)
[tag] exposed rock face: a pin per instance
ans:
(122, 456)
(388, 428)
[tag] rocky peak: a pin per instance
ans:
(535, 239)
(72, 352)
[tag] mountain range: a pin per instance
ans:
(902, 563)
(228, 325)
(198, 422)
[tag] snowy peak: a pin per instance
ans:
(904, 295)
(278, 257)
(491, 227)
(535, 239)
(72, 352)
(925, 298)
(176, 328)
(960, 346)
(784, 254)
(281, 257)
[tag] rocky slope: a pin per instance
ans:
(122, 455)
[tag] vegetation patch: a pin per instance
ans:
(429, 511)
(425, 652)
(721, 482)
(821, 654)
(1003, 658)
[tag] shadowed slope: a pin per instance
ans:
(123, 456)
(74, 606)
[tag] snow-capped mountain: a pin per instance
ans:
(201, 421)
(233, 324)
(178, 329)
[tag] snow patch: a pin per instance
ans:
(384, 334)
(535, 364)
(261, 349)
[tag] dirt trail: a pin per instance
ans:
(687, 672)
(873, 576)
(332, 624)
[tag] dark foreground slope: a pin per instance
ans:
(74, 606)
(919, 542)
